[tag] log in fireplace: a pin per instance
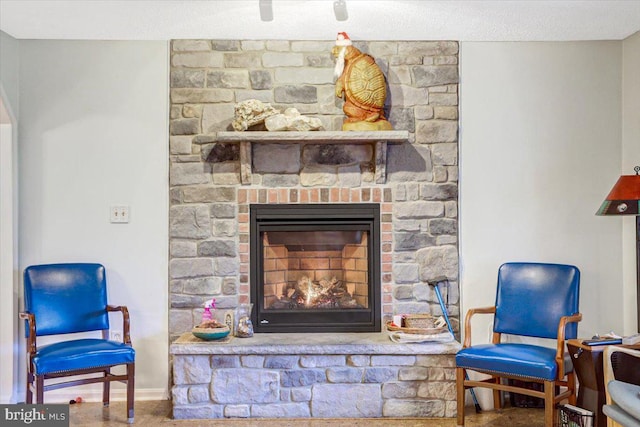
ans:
(315, 267)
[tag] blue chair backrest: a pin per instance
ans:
(532, 297)
(66, 298)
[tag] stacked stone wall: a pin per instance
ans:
(209, 224)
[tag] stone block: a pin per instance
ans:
(403, 292)
(184, 127)
(402, 119)
(413, 373)
(244, 385)
(281, 410)
(198, 393)
(377, 49)
(428, 48)
(301, 94)
(431, 131)
(408, 162)
(209, 194)
(202, 411)
(180, 394)
(260, 95)
(413, 408)
(226, 45)
(182, 249)
(189, 222)
(441, 226)
(190, 267)
(252, 45)
(260, 79)
(349, 176)
(229, 286)
(252, 361)
(345, 375)
(406, 96)
(380, 375)
(422, 292)
(320, 60)
(318, 175)
(447, 191)
(405, 60)
(439, 360)
(223, 210)
(225, 228)
(281, 362)
(304, 75)
(225, 361)
(282, 59)
(405, 273)
(191, 369)
(409, 225)
(180, 145)
(358, 360)
(445, 113)
(242, 60)
(197, 60)
(443, 99)
(227, 173)
(277, 45)
(322, 361)
(201, 96)
(228, 79)
(187, 78)
(180, 321)
(418, 209)
(190, 45)
(445, 154)
(202, 286)
(277, 180)
(311, 46)
(438, 390)
(301, 394)
(392, 360)
(346, 401)
(189, 173)
(215, 248)
(276, 158)
(226, 266)
(429, 75)
(438, 261)
(424, 112)
(412, 241)
(399, 390)
(237, 411)
(301, 377)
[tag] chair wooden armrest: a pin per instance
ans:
(126, 338)
(467, 322)
(31, 324)
(574, 318)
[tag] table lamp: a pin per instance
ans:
(624, 199)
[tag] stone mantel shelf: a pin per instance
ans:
(379, 138)
(299, 343)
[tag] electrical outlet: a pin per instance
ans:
(119, 214)
(115, 335)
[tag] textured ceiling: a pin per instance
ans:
(315, 20)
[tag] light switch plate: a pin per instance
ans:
(119, 214)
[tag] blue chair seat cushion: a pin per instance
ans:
(626, 396)
(522, 360)
(81, 354)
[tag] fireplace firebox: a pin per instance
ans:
(315, 268)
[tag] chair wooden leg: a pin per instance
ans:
(549, 406)
(29, 396)
(39, 389)
(106, 388)
(130, 391)
(497, 398)
(460, 395)
(571, 383)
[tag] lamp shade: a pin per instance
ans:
(624, 198)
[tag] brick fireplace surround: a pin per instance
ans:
(310, 375)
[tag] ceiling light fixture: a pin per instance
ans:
(340, 10)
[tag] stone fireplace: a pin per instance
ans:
(217, 178)
(315, 267)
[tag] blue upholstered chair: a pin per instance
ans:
(532, 300)
(67, 298)
(622, 384)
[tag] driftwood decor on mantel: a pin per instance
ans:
(379, 138)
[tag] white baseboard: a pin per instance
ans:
(95, 394)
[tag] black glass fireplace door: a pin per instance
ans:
(315, 268)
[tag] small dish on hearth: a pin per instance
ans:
(210, 331)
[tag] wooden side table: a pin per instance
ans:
(587, 363)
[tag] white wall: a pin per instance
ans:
(93, 133)
(9, 270)
(630, 158)
(540, 148)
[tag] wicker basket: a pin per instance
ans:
(418, 331)
(419, 321)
